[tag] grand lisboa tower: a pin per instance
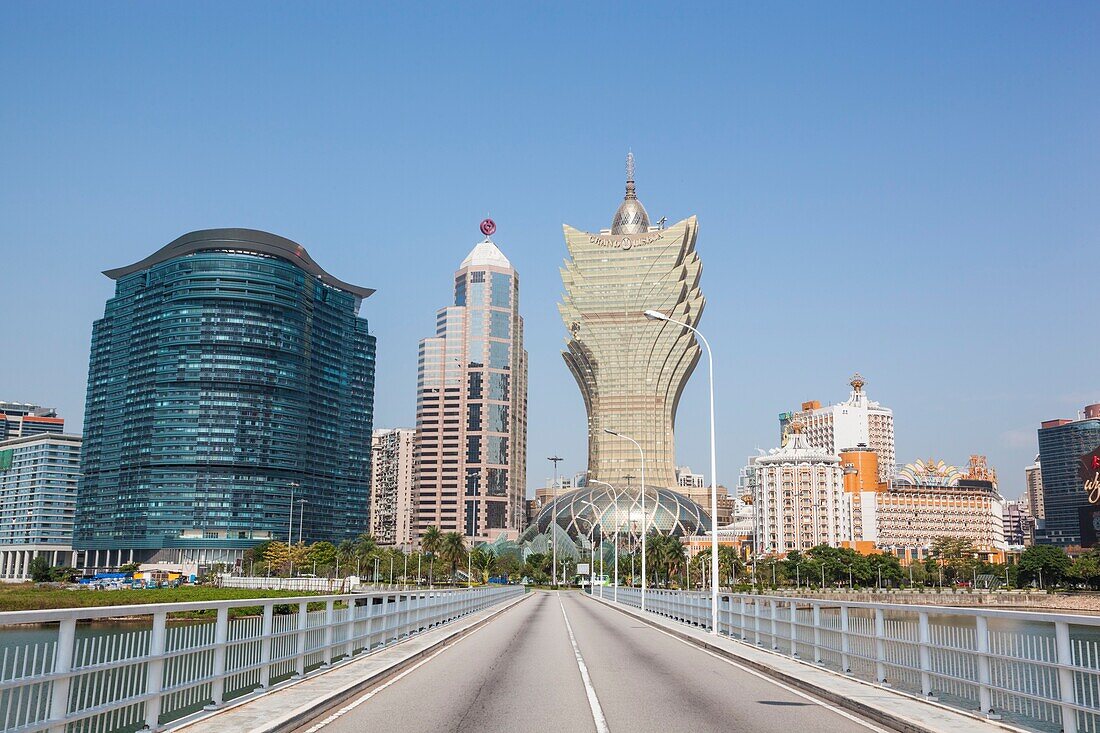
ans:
(631, 370)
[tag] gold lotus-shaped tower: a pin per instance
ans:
(631, 370)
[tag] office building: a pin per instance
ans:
(1018, 523)
(631, 370)
(1069, 517)
(38, 480)
(471, 404)
(1033, 494)
(393, 481)
(685, 479)
(18, 419)
(799, 499)
(231, 379)
(856, 421)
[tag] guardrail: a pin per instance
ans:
(1039, 670)
(154, 673)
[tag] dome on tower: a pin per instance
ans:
(631, 218)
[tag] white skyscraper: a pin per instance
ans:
(392, 482)
(857, 421)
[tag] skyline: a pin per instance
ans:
(958, 163)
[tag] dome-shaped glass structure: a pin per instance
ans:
(596, 510)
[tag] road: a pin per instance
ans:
(524, 671)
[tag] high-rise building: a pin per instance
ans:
(857, 421)
(471, 404)
(1033, 495)
(1019, 524)
(18, 419)
(231, 379)
(631, 370)
(392, 481)
(38, 479)
(685, 479)
(1067, 512)
(800, 500)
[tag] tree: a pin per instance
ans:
(130, 568)
(432, 540)
(39, 569)
(955, 555)
(482, 560)
(509, 566)
(323, 554)
(1045, 564)
(452, 549)
(537, 567)
(1086, 570)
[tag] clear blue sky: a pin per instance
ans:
(910, 191)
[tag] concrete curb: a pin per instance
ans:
(303, 715)
(876, 714)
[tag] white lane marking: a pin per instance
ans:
(593, 701)
(351, 706)
(776, 682)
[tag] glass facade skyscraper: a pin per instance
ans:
(229, 377)
(471, 405)
(1066, 505)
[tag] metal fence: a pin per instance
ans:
(153, 672)
(1039, 670)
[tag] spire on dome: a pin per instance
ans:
(631, 218)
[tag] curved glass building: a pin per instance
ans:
(600, 510)
(230, 379)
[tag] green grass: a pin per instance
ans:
(29, 597)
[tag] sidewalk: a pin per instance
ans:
(898, 710)
(291, 705)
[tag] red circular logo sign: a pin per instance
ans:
(488, 227)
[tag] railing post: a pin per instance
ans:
(1065, 677)
(266, 629)
(774, 624)
(303, 624)
(985, 695)
(880, 647)
(330, 621)
(792, 610)
(349, 628)
(221, 636)
(154, 670)
(756, 606)
(62, 665)
(816, 620)
(924, 650)
(845, 642)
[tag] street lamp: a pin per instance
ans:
(554, 520)
(658, 316)
(301, 517)
(642, 454)
(617, 523)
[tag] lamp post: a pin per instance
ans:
(658, 316)
(617, 524)
(290, 525)
(301, 517)
(641, 453)
(554, 520)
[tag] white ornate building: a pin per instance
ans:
(799, 500)
(857, 421)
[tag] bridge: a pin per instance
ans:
(502, 658)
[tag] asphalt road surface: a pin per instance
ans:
(564, 663)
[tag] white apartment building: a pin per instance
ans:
(857, 421)
(38, 476)
(392, 483)
(799, 500)
(685, 479)
(1033, 496)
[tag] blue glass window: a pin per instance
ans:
(502, 290)
(498, 355)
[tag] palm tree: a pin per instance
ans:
(453, 549)
(482, 559)
(431, 540)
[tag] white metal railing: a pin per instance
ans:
(1039, 670)
(153, 672)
